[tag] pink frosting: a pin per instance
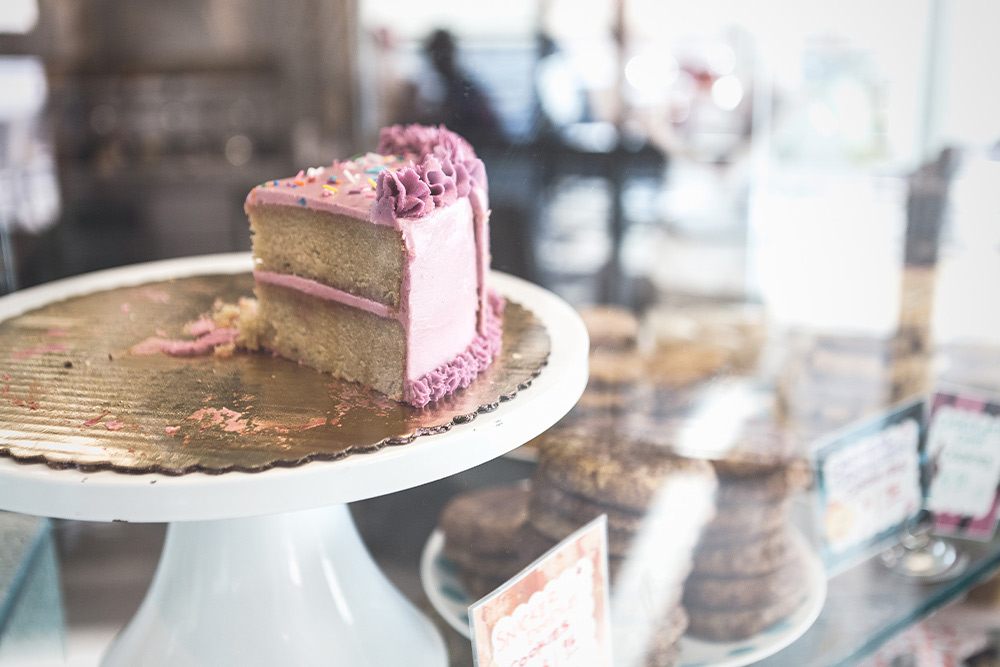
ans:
(416, 170)
(204, 343)
(454, 155)
(461, 370)
(441, 260)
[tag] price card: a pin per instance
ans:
(868, 484)
(554, 613)
(963, 460)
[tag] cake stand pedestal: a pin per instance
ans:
(288, 589)
(267, 568)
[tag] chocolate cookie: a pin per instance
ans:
(614, 382)
(732, 593)
(485, 521)
(684, 363)
(732, 625)
(641, 584)
(760, 556)
(762, 488)
(555, 526)
(736, 524)
(626, 473)
(478, 586)
(547, 497)
(488, 565)
(761, 447)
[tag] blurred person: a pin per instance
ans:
(463, 106)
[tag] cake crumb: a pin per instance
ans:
(225, 350)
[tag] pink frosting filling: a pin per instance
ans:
(460, 371)
(321, 291)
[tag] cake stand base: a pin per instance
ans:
(290, 589)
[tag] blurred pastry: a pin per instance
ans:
(748, 570)
(612, 329)
(481, 532)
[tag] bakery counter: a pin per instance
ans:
(838, 621)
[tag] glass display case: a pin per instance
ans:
(778, 223)
(32, 623)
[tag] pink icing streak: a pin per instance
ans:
(205, 343)
(201, 345)
(95, 420)
(460, 371)
(42, 349)
(321, 291)
(228, 419)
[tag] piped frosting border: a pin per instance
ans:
(463, 369)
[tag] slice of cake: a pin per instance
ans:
(374, 269)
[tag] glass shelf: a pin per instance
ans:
(868, 604)
(32, 626)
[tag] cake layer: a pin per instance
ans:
(350, 343)
(351, 255)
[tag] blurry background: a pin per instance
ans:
(834, 166)
(639, 151)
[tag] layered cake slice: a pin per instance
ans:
(374, 269)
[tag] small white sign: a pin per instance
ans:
(868, 483)
(964, 450)
(872, 484)
(554, 613)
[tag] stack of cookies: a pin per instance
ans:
(689, 347)
(616, 366)
(656, 505)
(482, 536)
(748, 571)
(829, 381)
(702, 338)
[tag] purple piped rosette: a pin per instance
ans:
(463, 369)
(446, 168)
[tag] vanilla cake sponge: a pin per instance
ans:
(374, 269)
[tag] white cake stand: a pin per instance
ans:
(268, 568)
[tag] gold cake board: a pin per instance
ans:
(74, 395)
